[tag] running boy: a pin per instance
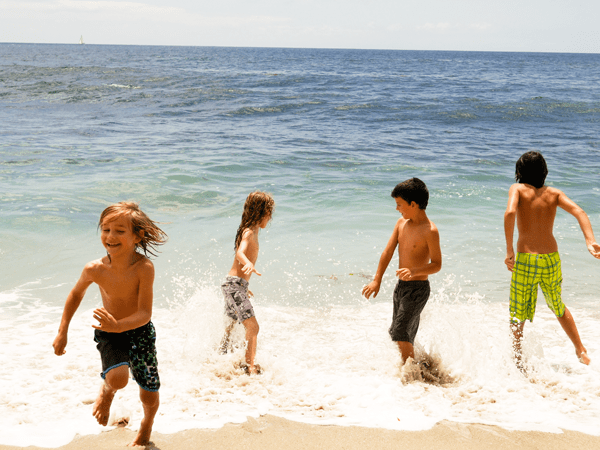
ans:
(418, 243)
(125, 335)
(537, 260)
(258, 210)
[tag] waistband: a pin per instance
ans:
(238, 280)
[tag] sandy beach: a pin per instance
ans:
(274, 433)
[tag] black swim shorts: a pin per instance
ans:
(410, 298)
(134, 348)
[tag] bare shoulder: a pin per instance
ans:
(95, 266)
(144, 266)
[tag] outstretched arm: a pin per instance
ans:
(384, 261)
(584, 223)
(509, 225)
(73, 301)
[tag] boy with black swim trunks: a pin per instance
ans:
(125, 335)
(418, 243)
(537, 261)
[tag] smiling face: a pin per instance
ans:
(403, 207)
(117, 235)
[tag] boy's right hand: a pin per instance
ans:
(510, 261)
(249, 268)
(371, 288)
(59, 344)
(594, 249)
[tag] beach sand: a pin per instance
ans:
(274, 433)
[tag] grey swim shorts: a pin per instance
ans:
(410, 298)
(237, 303)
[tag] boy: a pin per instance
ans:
(537, 260)
(125, 334)
(258, 210)
(418, 243)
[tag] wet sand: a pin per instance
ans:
(274, 433)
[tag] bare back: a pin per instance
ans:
(536, 211)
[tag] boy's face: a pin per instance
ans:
(117, 235)
(403, 207)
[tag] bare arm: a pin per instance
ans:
(143, 313)
(384, 261)
(584, 223)
(509, 225)
(73, 301)
(247, 265)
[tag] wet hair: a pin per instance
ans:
(151, 235)
(258, 205)
(531, 169)
(412, 190)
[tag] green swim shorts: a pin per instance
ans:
(529, 271)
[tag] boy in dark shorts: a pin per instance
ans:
(125, 335)
(418, 243)
(537, 261)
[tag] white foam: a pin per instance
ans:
(327, 365)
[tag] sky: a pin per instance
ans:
(472, 25)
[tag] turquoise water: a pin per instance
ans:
(188, 132)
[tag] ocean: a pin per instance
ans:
(188, 132)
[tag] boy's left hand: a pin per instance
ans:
(107, 322)
(404, 274)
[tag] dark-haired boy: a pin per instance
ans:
(418, 243)
(537, 260)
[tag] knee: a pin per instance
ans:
(117, 378)
(149, 399)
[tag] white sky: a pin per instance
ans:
(485, 25)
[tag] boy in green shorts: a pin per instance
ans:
(537, 260)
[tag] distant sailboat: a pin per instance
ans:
(81, 40)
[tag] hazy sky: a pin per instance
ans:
(487, 25)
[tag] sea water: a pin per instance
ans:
(188, 132)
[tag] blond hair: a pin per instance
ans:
(150, 234)
(258, 205)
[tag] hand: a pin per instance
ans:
(371, 288)
(249, 268)
(250, 294)
(59, 344)
(594, 249)
(107, 322)
(510, 261)
(404, 274)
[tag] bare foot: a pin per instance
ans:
(143, 437)
(584, 358)
(101, 410)
(252, 370)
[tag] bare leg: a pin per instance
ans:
(150, 401)
(406, 350)
(116, 379)
(568, 324)
(224, 346)
(517, 330)
(252, 328)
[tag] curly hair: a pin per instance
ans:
(258, 205)
(151, 235)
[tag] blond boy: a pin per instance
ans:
(125, 335)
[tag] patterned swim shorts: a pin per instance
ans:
(529, 271)
(237, 303)
(134, 348)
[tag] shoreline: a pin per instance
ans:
(275, 433)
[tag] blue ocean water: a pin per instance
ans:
(188, 132)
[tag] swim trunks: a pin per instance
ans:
(237, 303)
(134, 348)
(529, 271)
(410, 298)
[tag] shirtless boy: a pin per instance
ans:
(125, 335)
(258, 210)
(418, 243)
(537, 260)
